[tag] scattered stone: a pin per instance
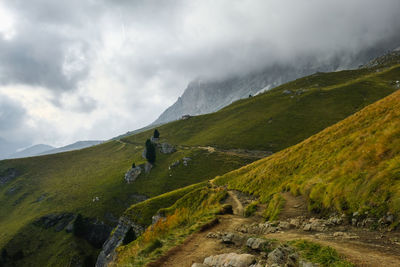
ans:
(261, 228)
(283, 256)
(257, 243)
(228, 238)
(231, 260)
(185, 161)
(287, 92)
(216, 235)
(307, 227)
(232, 238)
(345, 235)
(173, 165)
(335, 220)
(295, 223)
(284, 225)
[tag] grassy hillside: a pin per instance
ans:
(285, 115)
(351, 166)
(68, 182)
(186, 210)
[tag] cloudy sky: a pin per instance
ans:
(93, 69)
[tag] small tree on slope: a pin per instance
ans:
(156, 134)
(150, 152)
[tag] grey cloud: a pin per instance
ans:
(152, 49)
(39, 53)
(12, 120)
(12, 114)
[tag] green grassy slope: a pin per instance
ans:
(351, 166)
(68, 182)
(275, 120)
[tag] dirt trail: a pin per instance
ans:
(294, 206)
(356, 252)
(236, 204)
(258, 154)
(197, 246)
(362, 252)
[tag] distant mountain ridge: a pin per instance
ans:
(42, 149)
(31, 151)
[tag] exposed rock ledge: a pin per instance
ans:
(107, 253)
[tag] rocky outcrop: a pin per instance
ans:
(166, 148)
(173, 165)
(95, 232)
(228, 237)
(107, 253)
(132, 174)
(58, 221)
(8, 175)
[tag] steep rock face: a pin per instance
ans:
(115, 239)
(203, 96)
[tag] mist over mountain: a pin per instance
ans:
(74, 146)
(209, 95)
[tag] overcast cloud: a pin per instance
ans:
(84, 69)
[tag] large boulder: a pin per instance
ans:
(166, 148)
(231, 260)
(132, 174)
(114, 240)
(257, 243)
